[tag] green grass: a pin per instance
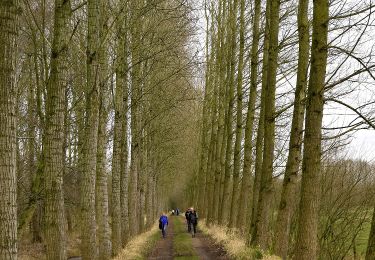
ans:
(182, 242)
(362, 238)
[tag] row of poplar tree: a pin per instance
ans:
(235, 185)
(95, 115)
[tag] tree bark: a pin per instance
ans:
(307, 234)
(8, 181)
(55, 224)
(237, 147)
(221, 130)
(102, 205)
(262, 235)
(288, 198)
(118, 135)
(246, 179)
(225, 207)
(104, 235)
(89, 248)
(135, 127)
(124, 179)
(260, 132)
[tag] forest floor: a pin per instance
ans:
(180, 245)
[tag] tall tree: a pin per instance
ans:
(102, 205)
(307, 234)
(135, 35)
(118, 134)
(260, 131)
(262, 237)
(292, 166)
(231, 47)
(246, 179)
(89, 153)
(124, 81)
(221, 130)
(205, 133)
(54, 135)
(239, 130)
(8, 183)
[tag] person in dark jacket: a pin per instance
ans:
(187, 216)
(163, 223)
(193, 216)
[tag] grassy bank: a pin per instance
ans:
(234, 245)
(139, 247)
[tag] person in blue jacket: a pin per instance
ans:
(163, 223)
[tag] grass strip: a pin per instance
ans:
(182, 242)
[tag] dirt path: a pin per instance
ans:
(204, 247)
(163, 249)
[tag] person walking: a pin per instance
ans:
(193, 222)
(163, 223)
(187, 216)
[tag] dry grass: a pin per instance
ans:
(234, 245)
(31, 251)
(140, 246)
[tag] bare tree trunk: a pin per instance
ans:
(288, 198)
(260, 134)
(124, 167)
(237, 147)
(89, 248)
(104, 235)
(262, 232)
(232, 18)
(124, 81)
(135, 128)
(124, 179)
(221, 132)
(55, 226)
(209, 170)
(307, 234)
(102, 204)
(246, 179)
(205, 131)
(118, 135)
(8, 182)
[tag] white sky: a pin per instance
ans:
(363, 145)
